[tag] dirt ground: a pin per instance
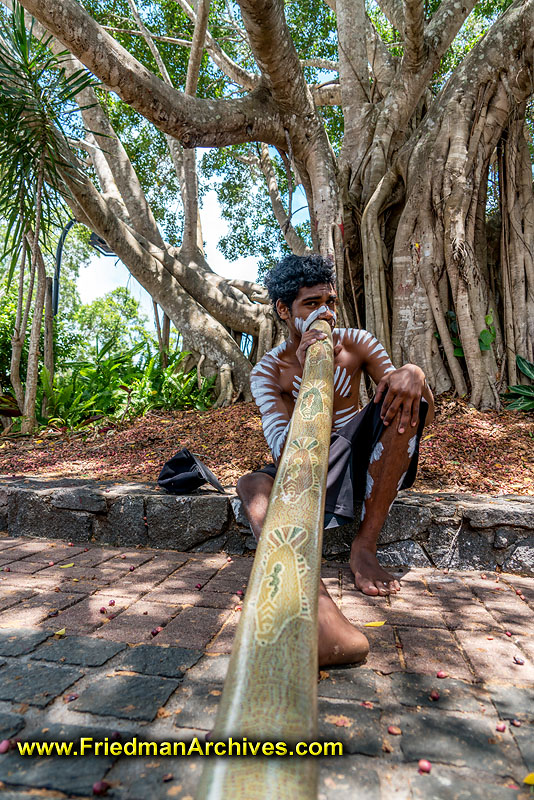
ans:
(463, 450)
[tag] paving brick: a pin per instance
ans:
(348, 683)
(513, 702)
(19, 642)
(196, 705)
(13, 596)
(384, 653)
(72, 775)
(85, 616)
(348, 776)
(141, 778)
(412, 689)
(189, 575)
(27, 567)
(511, 611)
(167, 662)
(193, 628)
(428, 653)
(493, 660)
(224, 641)
(446, 738)
(52, 552)
(146, 576)
(130, 558)
(524, 737)
(80, 650)
(135, 697)
(10, 724)
(357, 727)
(6, 543)
(34, 683)
(134, 626)
(451, 594)
(445, 784)
(471, 617)
(416, 617)
(94, 556)
(209, 670)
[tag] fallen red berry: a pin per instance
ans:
(103, 610)
(111, 603)
(424, 766)
(393, 730)
(100, 787)
(483, 576)
(516, 723)
(507, 633)
(442, 674)
(132, 568)
(7, 569)
(489, 637)
(519, 661)
(198, 586)
(501, 727)
(70, 544)
(155, 631)
(240, 593)
(434, 695)
(145, 613)
(50, 563)
(85, 549)
(115, 736)
(229, 559)
(123, 555)
(5, 744)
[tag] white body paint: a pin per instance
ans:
(411, 446)
(377, 452)
(266, 390)
(369, 486)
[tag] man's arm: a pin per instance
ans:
(401, 389)
(275, 419)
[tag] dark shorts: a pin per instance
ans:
(348, 462)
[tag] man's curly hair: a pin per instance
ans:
(293, 272)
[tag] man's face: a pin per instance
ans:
(309, 300)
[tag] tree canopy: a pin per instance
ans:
(404, 127)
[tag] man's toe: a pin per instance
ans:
(367, 587)
(383, 588)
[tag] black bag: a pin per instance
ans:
(184, 473)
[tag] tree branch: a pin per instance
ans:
(394, 12)
(232, 70)
(293, 240)
(353, 63)
(414, 34)
(275, 55)
(195, 122)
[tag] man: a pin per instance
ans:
(373, 452)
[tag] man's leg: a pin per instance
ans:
(339, 641)
(387, 467)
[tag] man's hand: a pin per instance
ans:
(402, 389)
(308, 338)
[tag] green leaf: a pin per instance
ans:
(459, 352)
(526, 367)
(485, 340)
(488, 319)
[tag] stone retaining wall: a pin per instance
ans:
(442, 530)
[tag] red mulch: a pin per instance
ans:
(464, 450)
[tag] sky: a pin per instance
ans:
(105, 273)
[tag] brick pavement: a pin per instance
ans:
(108, 676)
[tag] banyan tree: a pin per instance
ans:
(405, 125)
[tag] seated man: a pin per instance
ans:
(373, 452)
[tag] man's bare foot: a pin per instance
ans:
(339, 641)
(369, 577)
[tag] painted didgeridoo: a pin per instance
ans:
(270, 693)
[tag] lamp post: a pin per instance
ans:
(95, 241)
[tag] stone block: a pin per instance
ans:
(209, 515)
(407, 553)
(196, 705)
(210, 669)
(507, 536)
(349, 683)
(127, 696)
(29, 514)
(474, 550)
(513, 702)
(500, 512)
(239, 514)
(168, 522)
(441, 543)
(80, 498)
(405, 522)
(449, 785)
(123, 525)
(522, 557)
